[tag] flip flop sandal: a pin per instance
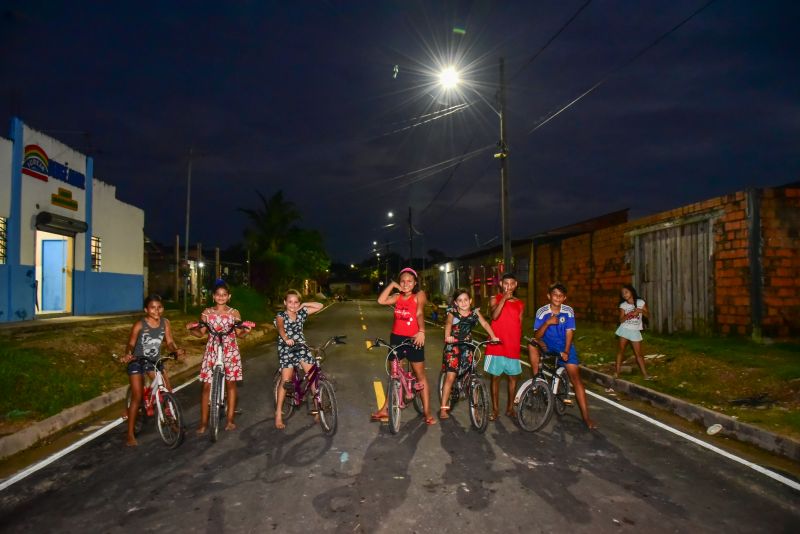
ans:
(375, 418)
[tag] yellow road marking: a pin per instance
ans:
(368, 343)
(380, 398)
(363, 327)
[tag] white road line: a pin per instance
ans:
(80, 443)
(760, 469)
(763, 470)
(83, 441)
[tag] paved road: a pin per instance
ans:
(628, 476)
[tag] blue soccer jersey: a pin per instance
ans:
(555, 337)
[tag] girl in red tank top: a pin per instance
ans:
(409, 324)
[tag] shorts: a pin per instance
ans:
(500, 365)
(409, 352)
(140, 367)
(629, 333)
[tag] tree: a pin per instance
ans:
(282, 254)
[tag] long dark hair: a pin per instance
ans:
(413, 273)
(633, 293)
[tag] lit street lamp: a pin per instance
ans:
(449, 79)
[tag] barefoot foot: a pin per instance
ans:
(230, 426)
(200, 431)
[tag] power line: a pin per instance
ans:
(461, 107)
(531, 60)
(636, 56)
(429, 167)
(553, 38)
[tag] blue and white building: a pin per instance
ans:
(67, 245)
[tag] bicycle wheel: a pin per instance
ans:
(217, 383)
(328, 411)
(561, 393)
(288, 405)
(140, 416)
(170, 420)
(394, 405)
(535, 406)
(478, 405)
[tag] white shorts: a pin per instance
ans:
(629, 333)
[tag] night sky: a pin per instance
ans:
(304, 96)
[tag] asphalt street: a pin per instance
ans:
(628, 476)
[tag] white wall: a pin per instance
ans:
(120, 228)
(37, 195)
(5, 176)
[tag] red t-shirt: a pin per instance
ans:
(405, 316)
(508, 327)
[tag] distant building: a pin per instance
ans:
(67, 245)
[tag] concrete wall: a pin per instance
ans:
(120, 227)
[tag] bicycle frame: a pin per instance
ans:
(406, 377)
(462, 378)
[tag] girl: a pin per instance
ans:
(409, 324)
(631, 311)
(461, 318)
(290, 332)
(142, 353)
(220, 317)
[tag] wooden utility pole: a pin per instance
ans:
(177, 267)
(503, 157)
(186, 236)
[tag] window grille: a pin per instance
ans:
(97, 254)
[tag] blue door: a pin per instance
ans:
(54, 274)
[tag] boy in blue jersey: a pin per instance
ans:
(554, 328)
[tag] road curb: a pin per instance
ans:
(744, 432)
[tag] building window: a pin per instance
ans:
(97, 254)
(2, 240)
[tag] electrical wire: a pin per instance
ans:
(614, 71)
(552, 38)
(398, 130)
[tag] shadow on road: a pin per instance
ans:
(381, 486)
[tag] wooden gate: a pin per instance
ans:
(673, 272)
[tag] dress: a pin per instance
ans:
(231, 357)
(458, 357)
(288, 356)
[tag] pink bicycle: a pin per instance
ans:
(403, 385)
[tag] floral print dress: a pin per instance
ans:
(457, 357)
(288, 356)
(231, 357)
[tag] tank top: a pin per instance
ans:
(148, 344)
(508, 328)
(405, 316)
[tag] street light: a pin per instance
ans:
(449, 79)
(390, 214)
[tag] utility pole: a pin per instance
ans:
(186, 237)
(177, 267)
(503, 156)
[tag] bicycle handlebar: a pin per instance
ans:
(249, 325)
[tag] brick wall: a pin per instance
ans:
(594, 265)
(780, 228)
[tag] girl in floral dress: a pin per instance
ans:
(290, 332)
(457, 357)
(220, 317)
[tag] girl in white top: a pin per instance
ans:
(631, 311)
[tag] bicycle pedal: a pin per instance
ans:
(567, 402)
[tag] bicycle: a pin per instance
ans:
(323, 396)
(216, 399)
(470, 381)
(403, 385)
(161, 403)
(537, 399)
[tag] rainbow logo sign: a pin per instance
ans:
(35, 163)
